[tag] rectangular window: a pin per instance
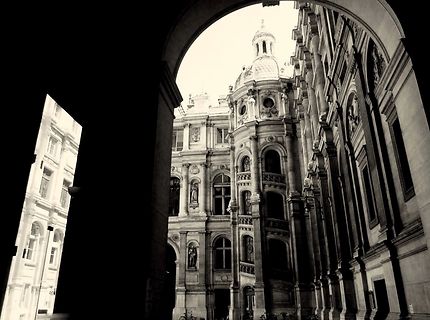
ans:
(177, 140)
(53, 255)
(222, 135)
(44, 184)
(402, 160)
(64, 197)
(28, 252)
(52, 146)
(369, 196)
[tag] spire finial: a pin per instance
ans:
(262, 23)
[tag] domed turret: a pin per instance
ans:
(263, 42)
(265, 65)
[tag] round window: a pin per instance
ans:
(268, 103)
(242, 110)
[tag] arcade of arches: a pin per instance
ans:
(332, 217)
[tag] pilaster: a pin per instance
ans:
(184, 190)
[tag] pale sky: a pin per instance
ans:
(215, 59)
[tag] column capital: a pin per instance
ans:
(253, 137)
(186, 165)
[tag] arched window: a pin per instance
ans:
(246, 200)
(174, 196)
(30, 250)
(55, 249)
(246, 164)
(248, 249)
(275, 205)
(222, 252)
(278, 259)
(221, 194)
(272, 162)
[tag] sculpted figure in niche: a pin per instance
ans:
(353, 114)
(192, 257)
(195, 134)
(246, 164)
(194, 193)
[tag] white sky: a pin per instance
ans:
(215, 59)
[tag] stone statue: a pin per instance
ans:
(353, 115)
(246, 164)
(195, 193)
(192, 257)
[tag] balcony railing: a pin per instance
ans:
(273, 178)
(277, 224)
(244, 176)
(247, 268)
(245, 219)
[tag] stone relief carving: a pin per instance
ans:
(195, 134)
(194, 169)
(353, 115)
(378, 64)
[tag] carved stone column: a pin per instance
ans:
(303, 138)
(290, 164)
(319, 76)
(313, 108)
(203, 189)
(303, 290)
(203, 132)
(186, 136)
(260, 307)
(234, 312)
(181, 298)
(183, 200)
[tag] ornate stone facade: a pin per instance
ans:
(330, 210)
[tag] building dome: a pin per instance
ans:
(265, 67)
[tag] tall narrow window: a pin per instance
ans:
(52, 146)
(264, 47)
(275, 205)
(44, 184)
(32, 242)
(222, 247)
(367, 181)
(272, 162)
(64, 197)
(174, 196)
(278, 259)
(177, 140)
(221, 194)
(55, 249)
(222, 136)
(258, 49)
(402, 160)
